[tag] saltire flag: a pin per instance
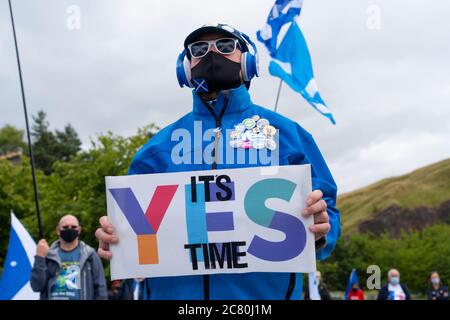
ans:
(313, 286)
(15, 281)
(282, 12)
(352, 279)
(291, 61)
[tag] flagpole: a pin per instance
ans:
(30, 150)
(278, 95)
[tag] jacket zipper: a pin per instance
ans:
(218, 135)
(83, 289)
(206, 293)
(83, 275)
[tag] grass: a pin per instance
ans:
(428, 186)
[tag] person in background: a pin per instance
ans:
(323, 289)
(128, 289)
(394, 290)
(436, 290)
(131, 289)
(113, 292)
(69, 269)
(356, 293)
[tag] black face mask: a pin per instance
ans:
(218, 72)
(68, 235)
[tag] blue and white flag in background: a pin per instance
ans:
(292, 64)
(15, 281)
(282, 12)
(291, 61)
(351, 281)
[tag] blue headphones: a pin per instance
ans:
(249, 61)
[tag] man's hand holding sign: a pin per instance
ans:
(223, 221)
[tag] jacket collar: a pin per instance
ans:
(238, 100)
(85, 252)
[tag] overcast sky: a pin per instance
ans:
(382, 66)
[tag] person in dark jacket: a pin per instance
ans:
(128, 289)
(394, 290)
(114, 289)
(69, 269)
(436, 290)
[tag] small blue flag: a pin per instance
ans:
(282, 12)
(292, 64)
(15, 281)
(351, 281)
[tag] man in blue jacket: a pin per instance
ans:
(219, 62)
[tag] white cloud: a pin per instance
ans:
(400, 154)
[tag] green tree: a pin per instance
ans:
(76, 186)
(11, 140)
(49, 147)
(44, 143)
(68, 143)
(81, 181)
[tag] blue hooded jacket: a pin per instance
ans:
(296, 146)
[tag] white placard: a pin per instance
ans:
(207, 222)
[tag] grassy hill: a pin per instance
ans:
(421, 195)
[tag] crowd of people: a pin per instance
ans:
(70, 269)
(392, 290)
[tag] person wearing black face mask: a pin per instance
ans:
(69, 269)
(218, 62)
(216, 68)
(219, 72)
